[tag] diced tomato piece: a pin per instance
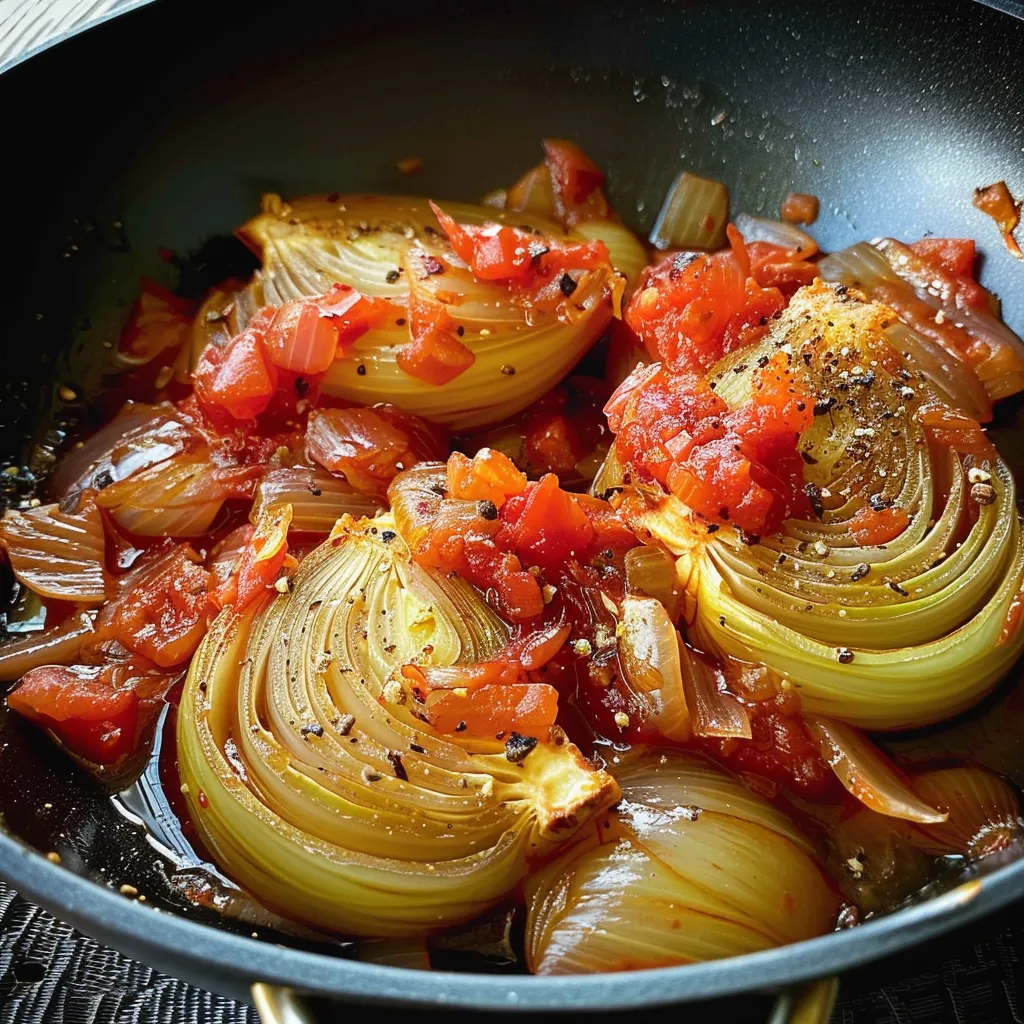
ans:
(425, 679)
(527, 708)
(549, 526)
(682, 307)
(740, 467)
(353, 314)
(369, 447)
(301, 339)
(799, 208)
(954, 429)
(91, 716)
(774, 266)
(954, 255)
(488, 476)
(261, 560)
(435, 357)
(871, 526)
(553, 442)
(611, 533)
(237, 379)
(575, 175)
(162, 609)
(496, 252)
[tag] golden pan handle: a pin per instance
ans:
(811, 1003)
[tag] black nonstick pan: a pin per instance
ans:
(157, 132)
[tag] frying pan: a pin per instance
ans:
(162, 127)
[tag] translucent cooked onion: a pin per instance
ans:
(984, 811)
(116, 448)
(652, 573)
(775, 232)
(57, 646)
(649, 655)
(889, 634)
(57, 554)
(715, 711)
(694, 214)
(177, 498)
(318, 498)
(692, 867)
(868, 774)
(318, 786)
(365, 241)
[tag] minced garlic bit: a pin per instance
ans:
(67, 394)
(281, 585)
(582, 647)
(393, 692)
(53, 857)
(603, 636)
(548, 593)
(622, 720)
(855, 865)
(460, 691)
(819, 547)
(128, 890)
(978, 476)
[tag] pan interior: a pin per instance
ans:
(178, 117)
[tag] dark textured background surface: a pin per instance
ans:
(51, 974)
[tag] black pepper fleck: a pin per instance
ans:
(517, 747)
(396, 762)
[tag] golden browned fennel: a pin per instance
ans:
(887, 636)
(312, 780)
(376, 244)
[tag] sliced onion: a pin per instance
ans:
(775, 232)
(651, 572)
(891, 272)
(649, 655)
(715, 711)
(57, 646)
(693, 867)
(318, 498)
(610, 477)
(324, 793)
(56, 554)
(177, 498)
(868, 774)
(124, 435)
(984, 811)
(694, 215)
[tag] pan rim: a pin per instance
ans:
(100, 911)
(243, 961)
